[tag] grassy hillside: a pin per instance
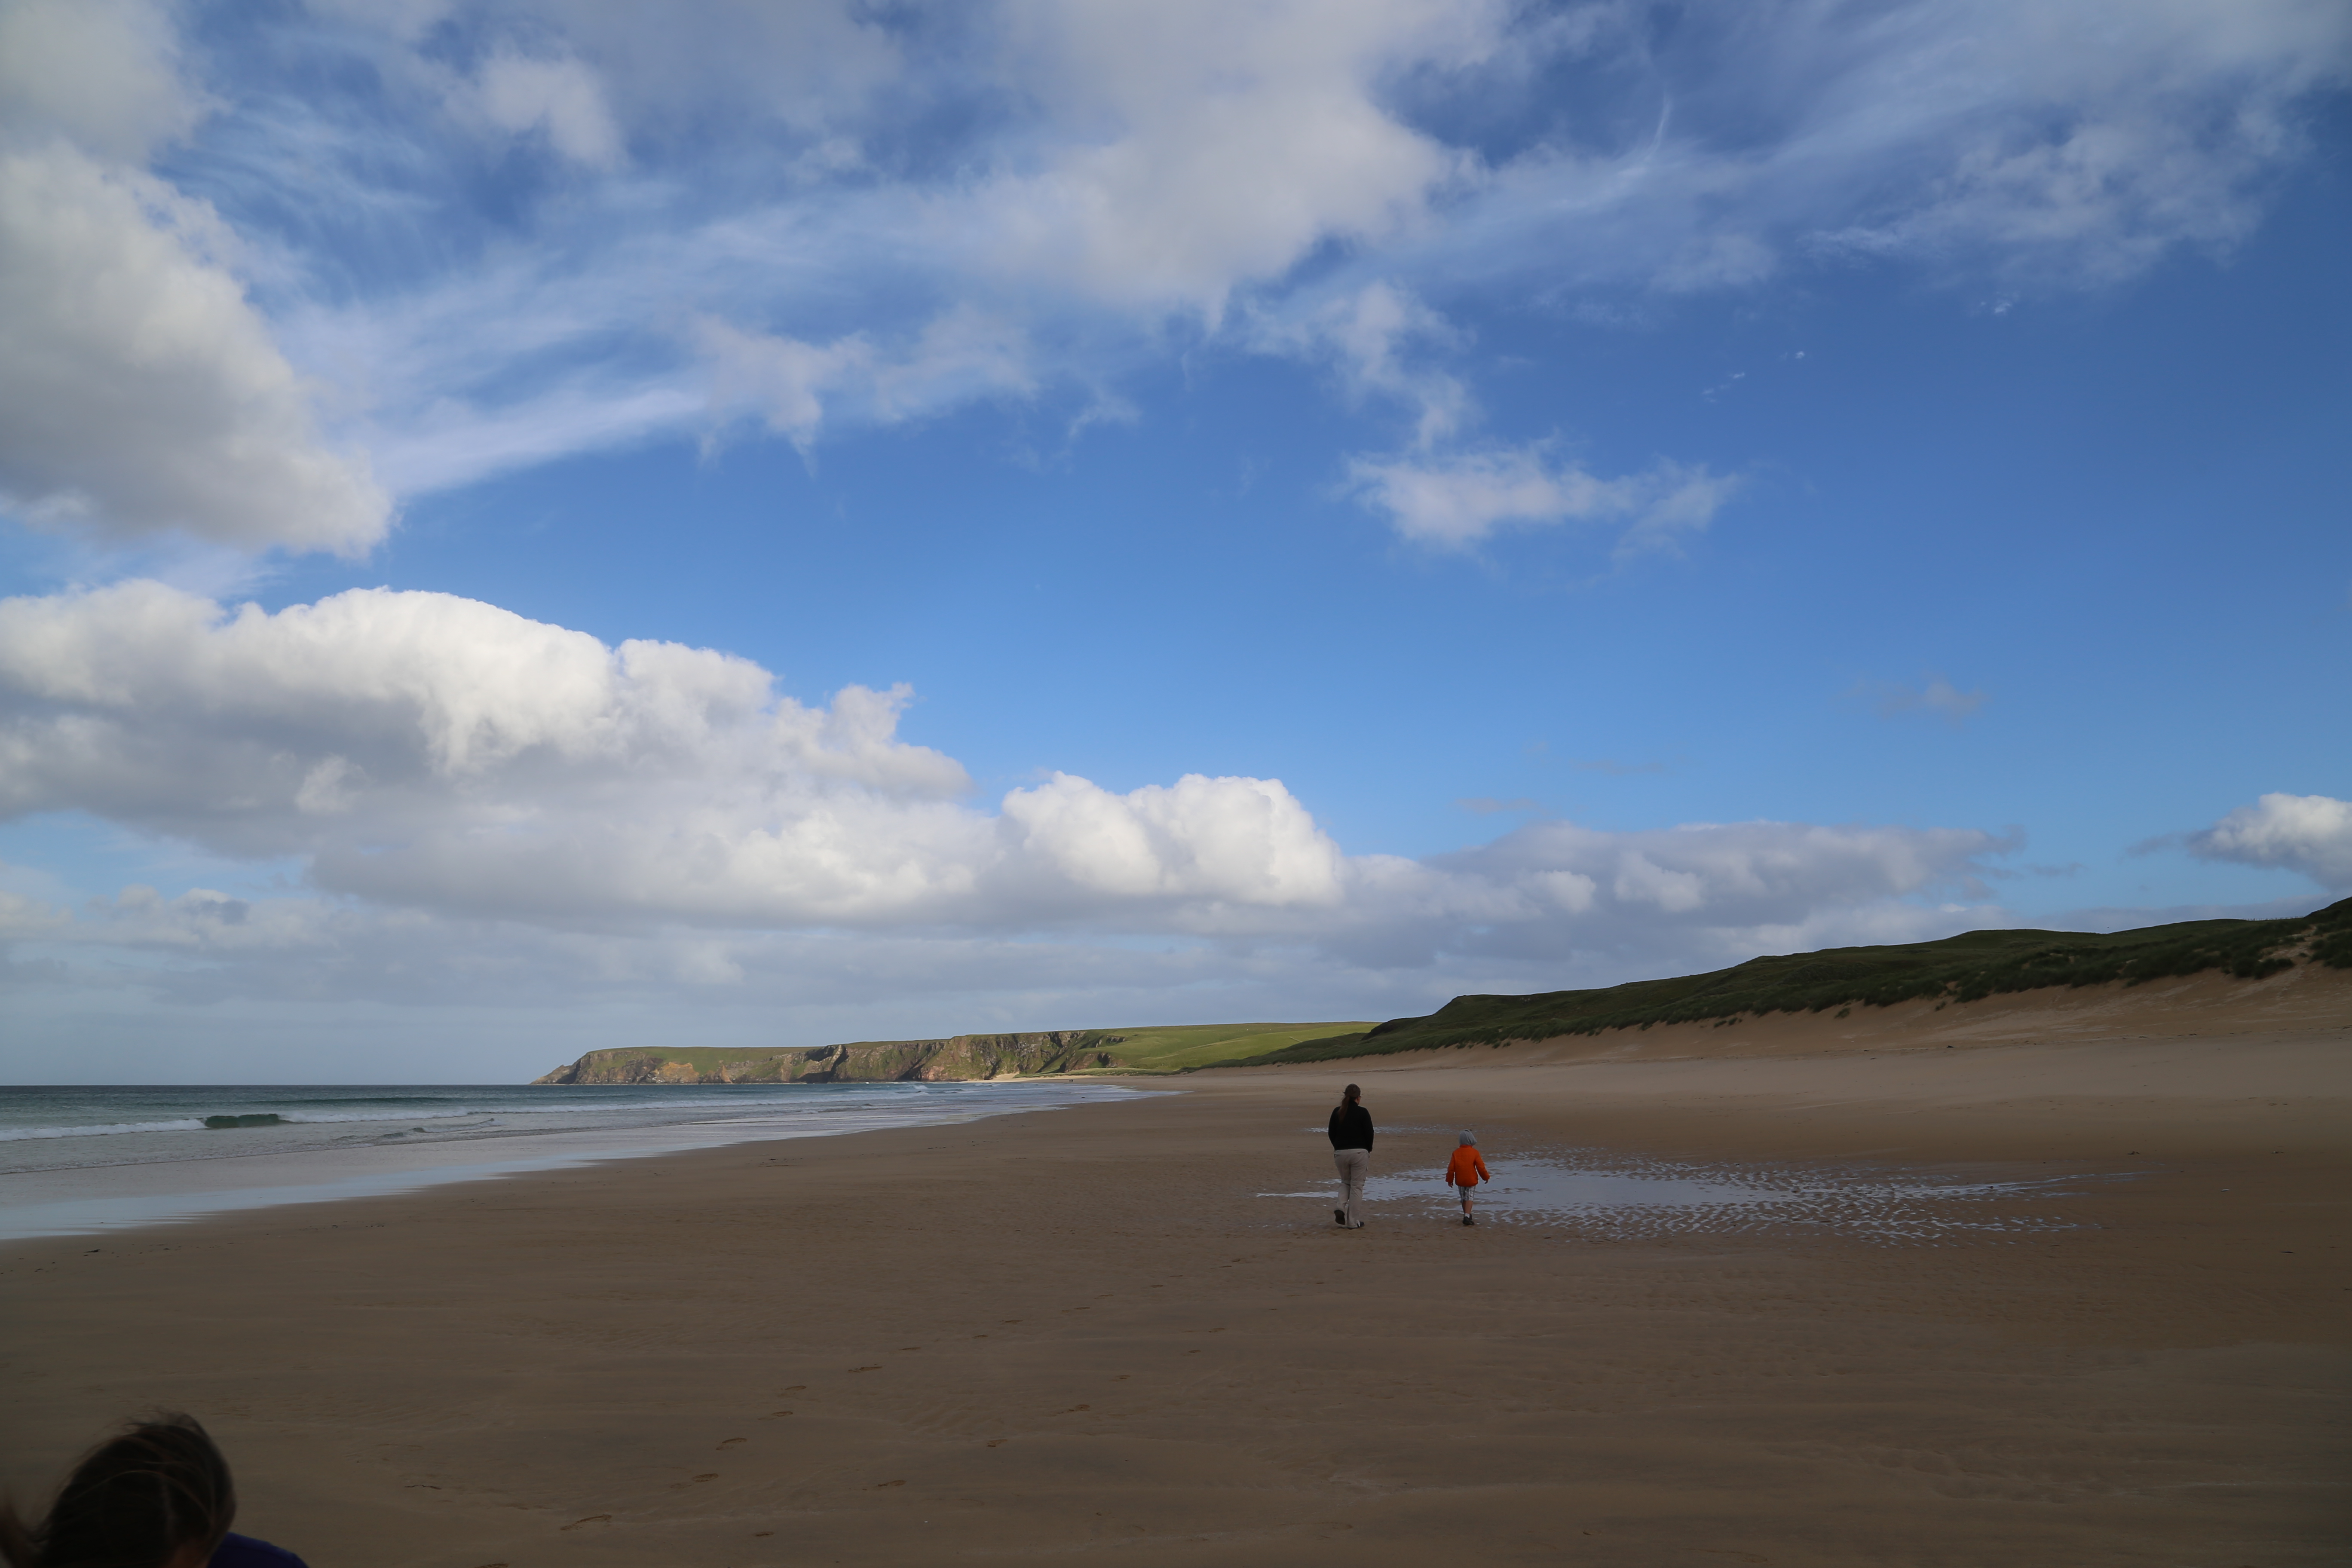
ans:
(1179, 1046)
(1956, 969)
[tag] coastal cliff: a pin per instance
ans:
(963, 1056)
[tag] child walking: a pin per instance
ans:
(1465, 1171)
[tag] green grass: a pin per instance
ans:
(1180, 1048)
(1956, 969)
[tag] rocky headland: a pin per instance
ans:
(962, 1057)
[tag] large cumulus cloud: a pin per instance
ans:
(423, 752)
(141, 391)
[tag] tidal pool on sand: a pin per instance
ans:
(1643, 1198)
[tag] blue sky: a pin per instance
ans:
(528, 526)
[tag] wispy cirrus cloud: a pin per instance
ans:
(506, 249)
(1454, 500)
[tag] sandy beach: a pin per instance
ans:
(1086, 1333)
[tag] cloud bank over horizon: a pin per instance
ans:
(435, 765)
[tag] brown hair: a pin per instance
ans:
(139, 1499)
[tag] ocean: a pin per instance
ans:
(78, 1160)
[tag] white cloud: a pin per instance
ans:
(2053, 148)
(813, 65)
(1727, 883)
(1443, 491)
(104, 73)
(22, 917)
(437, 755)
(1457, 499)
(825, 178)
(141, 391)
(1368, 335)
(2311, 834)
(960, 355)
(518, 94)
(1214, 841)
(1197, 148)
(138, 391)
(2118, 132)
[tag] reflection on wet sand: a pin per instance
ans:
(1625, 1199)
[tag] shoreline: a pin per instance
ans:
(1027, 1336)
(173, 1188)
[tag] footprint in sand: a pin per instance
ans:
(731, 1442)
(995, 1442)
(773, 1413)
(796, 1388)
(887, 1484)
(592, 1519)
(875, 1367)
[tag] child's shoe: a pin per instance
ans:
(1467, 1220)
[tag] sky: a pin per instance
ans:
(535, 525)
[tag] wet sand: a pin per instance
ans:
(1082, 1332)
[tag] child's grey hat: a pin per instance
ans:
(1469, 1141)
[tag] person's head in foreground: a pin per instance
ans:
(1469, 1141)
(155, 1496)
(1352, 1094)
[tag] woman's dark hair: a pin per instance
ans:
(137, 1500)
(1351, 1092)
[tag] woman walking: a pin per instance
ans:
(1351, 1150)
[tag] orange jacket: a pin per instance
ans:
(1466, 1169)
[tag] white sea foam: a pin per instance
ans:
(205, 1124)
(181, 1124)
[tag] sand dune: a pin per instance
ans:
(2306, 998)
(1085, 1333)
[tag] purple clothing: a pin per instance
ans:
(245, 1552)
